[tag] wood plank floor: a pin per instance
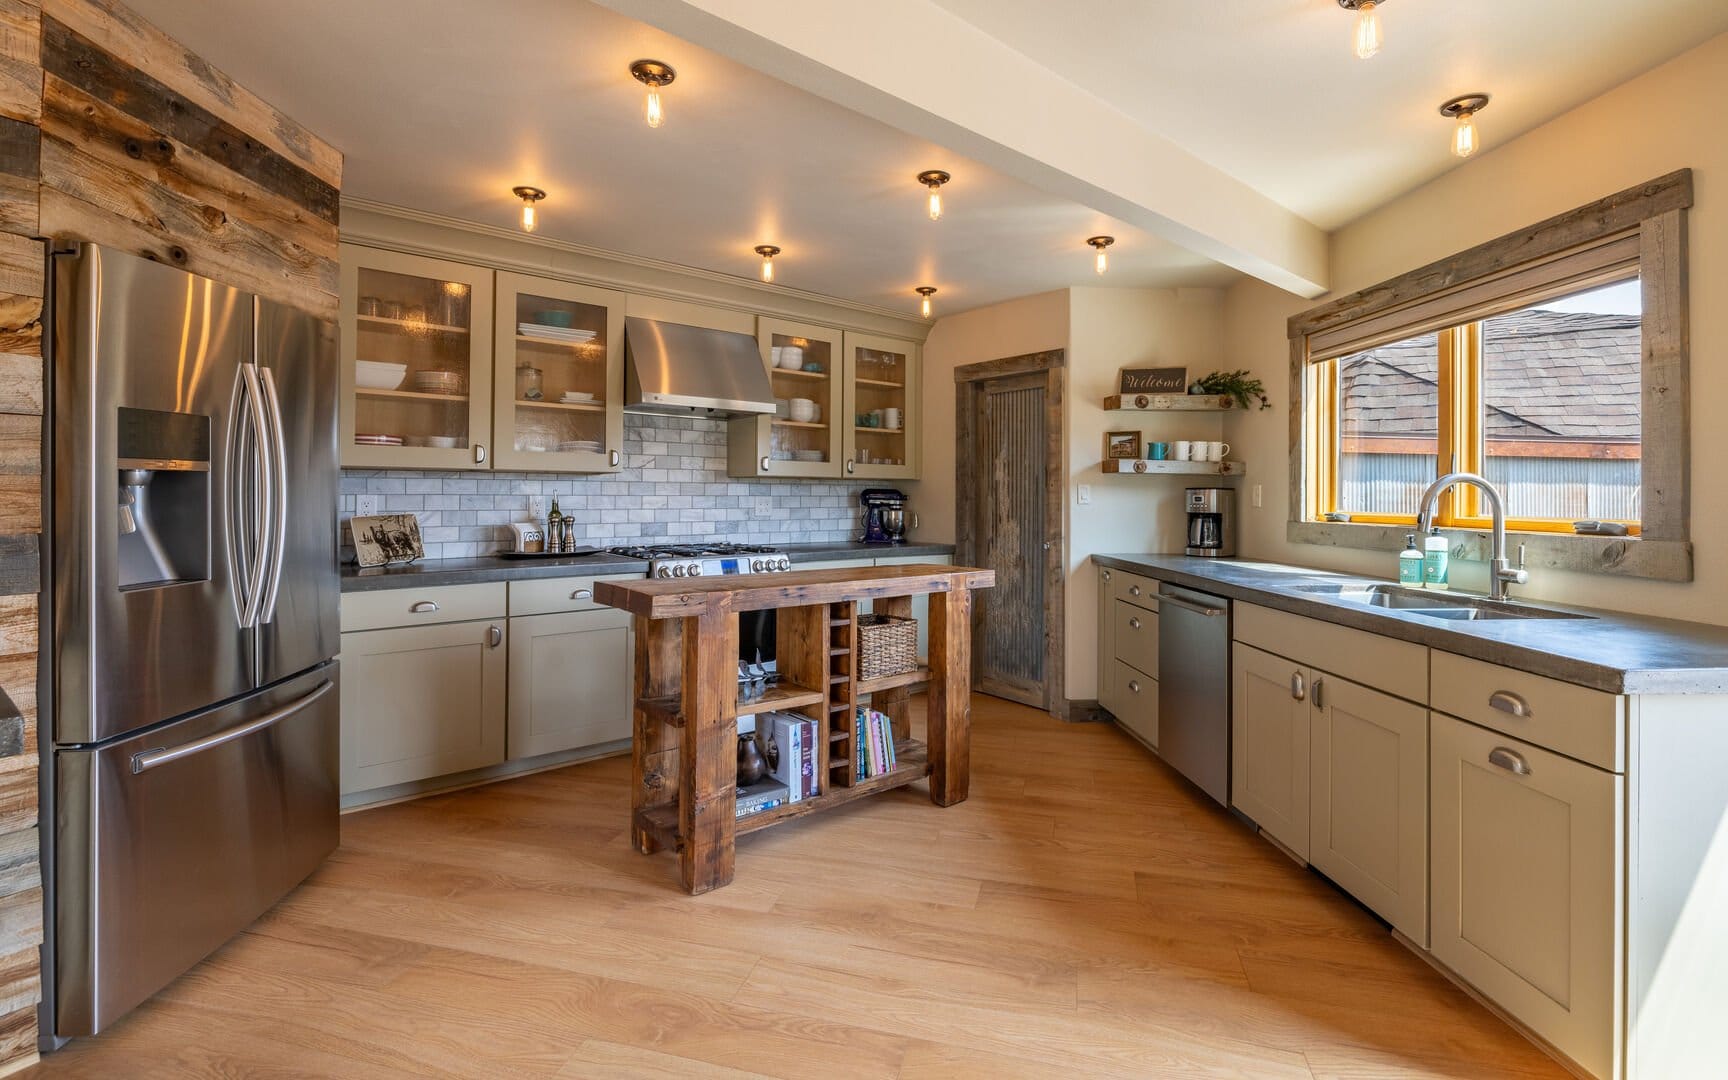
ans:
(1084, 913)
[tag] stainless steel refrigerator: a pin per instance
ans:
(190, 622)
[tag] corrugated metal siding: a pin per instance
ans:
(1566, 489)
(1014, 459)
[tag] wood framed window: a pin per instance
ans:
(1552, 361)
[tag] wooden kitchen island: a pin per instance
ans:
(684, 747)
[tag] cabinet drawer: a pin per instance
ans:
(1397, 667)
(421, 607)
(1137, 695)
(1137, 637)
(1572, 720)
(1131, 588)
(548, 596)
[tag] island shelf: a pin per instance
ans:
(684, 748)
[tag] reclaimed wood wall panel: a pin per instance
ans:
(20, 59)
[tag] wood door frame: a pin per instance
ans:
(969, 380)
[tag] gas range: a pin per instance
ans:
(706, 560)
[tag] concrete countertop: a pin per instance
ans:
(1610, 651)
(435, 572)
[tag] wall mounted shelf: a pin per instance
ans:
(1180, 468)
(1168, 403)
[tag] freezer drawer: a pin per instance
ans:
(170, 842)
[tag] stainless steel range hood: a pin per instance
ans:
(689, 371)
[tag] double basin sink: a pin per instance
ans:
(1433, 604)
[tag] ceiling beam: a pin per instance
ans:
(919, 68)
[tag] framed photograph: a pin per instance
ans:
(1157, 380)
(387, 538)
(1121, 444)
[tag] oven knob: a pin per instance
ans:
(756, 566)
(696, 570)
(664, 571)
(784, 563)
(678, 571)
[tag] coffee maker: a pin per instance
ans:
(1211, 522)
(884, 516)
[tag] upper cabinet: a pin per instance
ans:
(804, 437)
(559, 374)
(416, 372)
(882, 402)
(848, 407)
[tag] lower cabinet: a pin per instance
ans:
(570, 680)
(421, 701)
(1368, 801)
(1269, 729)
(1527, 854)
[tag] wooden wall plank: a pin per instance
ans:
(18, 1038)
(82, 199)
(20, 571)
(22, 269)
(20, 972)
(20, 171)
(120, 32)
(20, 59)
(17, 811)
(128, 144)
(21, 354)
(20, 474)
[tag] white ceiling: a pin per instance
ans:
(444, 105)
(1270, 92)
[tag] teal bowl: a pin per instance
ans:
(565, 319)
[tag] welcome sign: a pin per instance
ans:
(1158, 380)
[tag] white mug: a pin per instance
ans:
(891, 419)
(1215, 451)
(1182, 450)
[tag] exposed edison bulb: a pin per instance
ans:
(925, 291)
(656, 111)
(530, 197)
(935, 204)
(1101, 245)
(767, 251)
(1101, 263)
(530, 217)
(1464, 140)
(1368, 37)
(924, 307)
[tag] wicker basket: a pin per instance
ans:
(887, 645)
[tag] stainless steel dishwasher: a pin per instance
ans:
(1194, 687)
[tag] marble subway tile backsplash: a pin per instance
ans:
(673, 487)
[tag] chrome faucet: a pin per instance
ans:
(1501, 572)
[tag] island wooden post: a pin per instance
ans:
(948, 708)
(708, 794)
(654, 768)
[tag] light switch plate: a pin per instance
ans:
(365, 505)
(1083, 494)
(1259, 495)
(536, 508)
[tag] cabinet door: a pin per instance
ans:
(1369, 825)
(882, 405)
(569, 681)
(804, 367)
(1527, 853)
(559, 374)
(421, 701)
(1269, 744)
(426, 324)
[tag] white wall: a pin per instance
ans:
(1666, 119)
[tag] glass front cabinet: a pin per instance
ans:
(559, 374)
(846, 406)
(416, 373)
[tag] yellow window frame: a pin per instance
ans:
(1461, 443)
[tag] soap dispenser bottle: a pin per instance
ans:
(1435, 560)
(1410, 563)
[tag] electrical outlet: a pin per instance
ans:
(1083, 494)
(1259, 496)
(536, 507)
(365, 505)
(762, 508)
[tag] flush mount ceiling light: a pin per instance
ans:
(1102, 262)
(767, 251)
(1366, 38)
(653, 74)
(1464, 109)
(934, 179)
(530, 215)
(926, 291)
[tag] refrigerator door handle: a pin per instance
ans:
(277, 542)
(146, 760)
(233, 496)
(262, 523)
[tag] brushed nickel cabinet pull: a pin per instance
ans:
(479, 454)
(1298, 686)
(423, 606)
(1134, 622)
(1510, 760)
(764, 463)
(612, 457)
(1319, 693)
(1134, 685)
(1106, 575)
(1511, 704)
(495, 635)
(582, 594)
(1133, 590)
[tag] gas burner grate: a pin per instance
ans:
(689, 551)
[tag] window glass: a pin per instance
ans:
(1388, 426)
(1560, 406)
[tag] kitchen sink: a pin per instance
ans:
(1432, 604)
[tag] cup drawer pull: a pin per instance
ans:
(1511, 704)
(582, 594)
(421, 607)
(1510, 760)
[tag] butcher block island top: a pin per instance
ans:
(684, 747)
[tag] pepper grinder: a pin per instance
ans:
(567, 535)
